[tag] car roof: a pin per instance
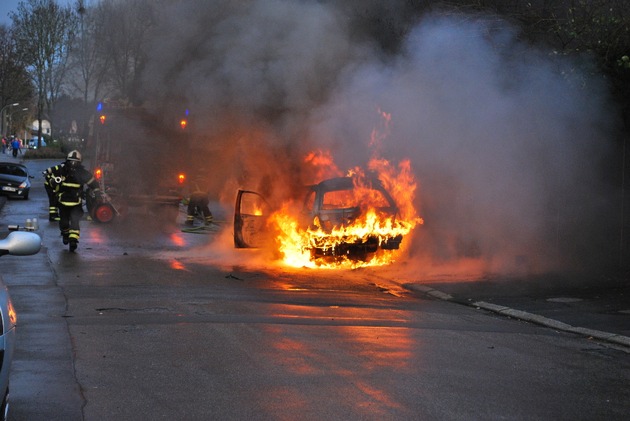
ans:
(7, 166)
(345, 183)
(12, 164)
(337, 183)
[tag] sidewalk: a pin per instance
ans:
(8, 156)
(595, 307)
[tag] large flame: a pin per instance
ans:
(372, 230)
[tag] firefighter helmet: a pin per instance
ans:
(74, 156)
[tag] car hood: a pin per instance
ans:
(5, 178)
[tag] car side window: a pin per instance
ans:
(309, 202)
(252, 204)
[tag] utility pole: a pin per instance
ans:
(10, 125)
(3, 116)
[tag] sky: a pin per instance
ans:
(7, 6)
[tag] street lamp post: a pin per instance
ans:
(15, 104)
(10, 125)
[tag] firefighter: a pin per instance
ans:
(198, 200)
(70, 197)
(51, 183)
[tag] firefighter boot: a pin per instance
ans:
(208, 220)
(190, 220)
(64, 238)
(73, 244)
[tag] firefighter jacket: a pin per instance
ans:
(70, 190)
(52, 176)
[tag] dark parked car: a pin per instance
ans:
(15, 181)
(327, 206)
(17, 244)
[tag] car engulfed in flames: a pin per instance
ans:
(350, 221)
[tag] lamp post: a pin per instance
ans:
(10, 125)
(15, 104)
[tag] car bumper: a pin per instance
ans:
(13, 193)
(357, 250)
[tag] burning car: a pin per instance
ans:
(342, 219)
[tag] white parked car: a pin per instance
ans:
(32, 143)
(17, 243)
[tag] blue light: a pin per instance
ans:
(99, 106)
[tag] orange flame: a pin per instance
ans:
(376, 234)
(322, 164)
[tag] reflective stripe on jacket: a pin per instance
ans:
(51, 173)
(70, 191)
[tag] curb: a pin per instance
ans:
(525, 316)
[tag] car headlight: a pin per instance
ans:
(23, 185)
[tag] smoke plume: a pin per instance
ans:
(506, 140)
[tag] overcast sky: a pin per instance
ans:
(7, 6)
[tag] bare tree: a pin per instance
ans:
(89, 61)
(89, 65)
(128, 24)
(15, 85)
(44, 33)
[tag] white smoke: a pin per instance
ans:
(505, 143)
(253, 56)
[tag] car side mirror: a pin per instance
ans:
(20, 243)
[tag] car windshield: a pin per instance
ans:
(12, 170)
(339, 199)
(352, 198)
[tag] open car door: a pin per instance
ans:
(250, 218)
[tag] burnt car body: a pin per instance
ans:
(15, 180)
(327, 205)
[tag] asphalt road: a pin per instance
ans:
(148, 322)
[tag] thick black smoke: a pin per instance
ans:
(506, 140)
